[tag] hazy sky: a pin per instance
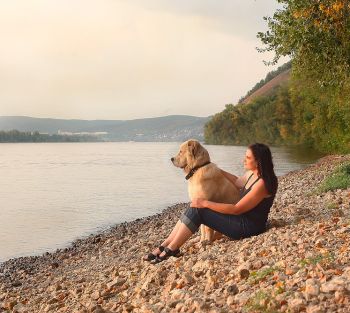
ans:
(126, 59)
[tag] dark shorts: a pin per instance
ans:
(233, 226)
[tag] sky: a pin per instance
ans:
(128, 59)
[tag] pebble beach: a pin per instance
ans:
(300, 264)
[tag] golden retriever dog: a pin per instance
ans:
(205, 180)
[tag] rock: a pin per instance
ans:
(54, 288)
(188, 279)
(95, 295)
(128, 307)
(212, 282)
(177, 294)
(296, 304)
(169, 287)
(201, 267)
(10, 304)
(346, 273)
(116, 282)
(290, 271)
(244, 273)
(20, 308)
(173, 303)
(311, 288)
(49, 308)
(232, 289)
(242, 298)
(230, 300)
(180, 307)
(98, 309)
(335, 284)
(339, 296)
(314, 309)
(16, 283)
(54, 265)
(2, 296)
(199, 305)
(257, 265)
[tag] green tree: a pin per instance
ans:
(316, 34)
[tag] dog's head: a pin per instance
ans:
(191, 154)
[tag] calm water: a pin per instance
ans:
(53, 193)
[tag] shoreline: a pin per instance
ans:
(88, 235)
(93, 238)
(104, 271)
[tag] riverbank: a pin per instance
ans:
(302, 263)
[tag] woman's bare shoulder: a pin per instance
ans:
(260, 187)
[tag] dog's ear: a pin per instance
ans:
(193, 147)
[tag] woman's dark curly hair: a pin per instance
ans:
(263, 157)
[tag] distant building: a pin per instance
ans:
(64, 133)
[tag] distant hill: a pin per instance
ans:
(266, 86)
(269, 88)
(266, 107)
(167, 128)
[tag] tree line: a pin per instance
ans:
(314, 107)
(17, 136)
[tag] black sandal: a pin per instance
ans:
(168, 253)
(151, 256)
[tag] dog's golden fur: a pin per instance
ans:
(207, 183)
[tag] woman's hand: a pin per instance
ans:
(198, 203)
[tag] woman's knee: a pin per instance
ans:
(191, 218)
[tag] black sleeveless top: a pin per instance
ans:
(259, 214)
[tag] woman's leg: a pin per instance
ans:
(229, 225)
(172, 234)
(166, 242)
(182, 235)
(186, 226)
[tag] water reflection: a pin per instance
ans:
(300, 154)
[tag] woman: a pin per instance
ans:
(246, 218)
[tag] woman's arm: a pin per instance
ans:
(249, 201)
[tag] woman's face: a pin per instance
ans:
(249, 161)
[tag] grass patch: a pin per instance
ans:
(256, 276)
(260, 302)
(339, 179)
(331, 205)
(320, 258)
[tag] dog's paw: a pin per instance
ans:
(194, 240)
(205, 243)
